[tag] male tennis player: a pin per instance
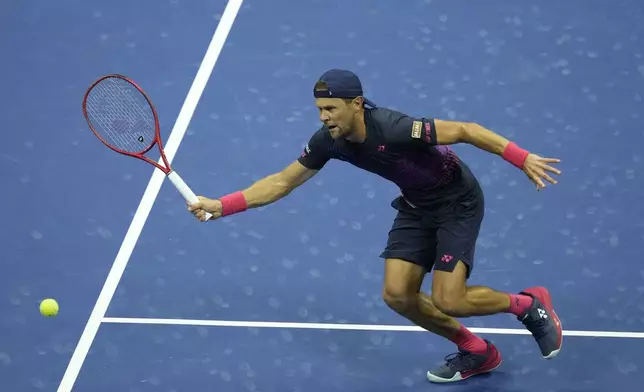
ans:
(440, 210)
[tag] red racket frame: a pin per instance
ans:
(157, 129)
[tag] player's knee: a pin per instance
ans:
(448, 304)
(400, 301)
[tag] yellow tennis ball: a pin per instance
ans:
(49, 307)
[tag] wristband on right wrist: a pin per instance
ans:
(233, 203)
(515, 154)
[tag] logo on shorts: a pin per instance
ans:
(415, 129)
(447, 258)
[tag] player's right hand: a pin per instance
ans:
(199, 209)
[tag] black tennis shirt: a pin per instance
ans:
(401, 149)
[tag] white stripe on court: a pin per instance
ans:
(150, 195)
(351, 327)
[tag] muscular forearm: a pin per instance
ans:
(484, 139)
(487, 140)
(265, 191)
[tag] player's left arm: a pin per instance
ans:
(534, 166)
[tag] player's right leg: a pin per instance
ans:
(401, 292)
(410, 253)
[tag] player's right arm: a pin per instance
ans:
(270, 188)
(276, 186)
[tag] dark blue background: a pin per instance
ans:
(563, 79)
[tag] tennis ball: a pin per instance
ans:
(49, 307)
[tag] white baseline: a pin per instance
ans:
(149, 196)
(351, 327)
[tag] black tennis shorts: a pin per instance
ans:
(436, 240)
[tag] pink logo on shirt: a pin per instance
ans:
(428, 132)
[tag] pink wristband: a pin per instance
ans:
(233, 203)
(515, 155)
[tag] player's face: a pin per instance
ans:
(337, 115)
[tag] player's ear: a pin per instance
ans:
(357, 103)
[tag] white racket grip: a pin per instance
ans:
(184, 189)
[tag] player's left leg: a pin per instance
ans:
(533, 306)
(452, 296)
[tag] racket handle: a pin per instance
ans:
(184, 189)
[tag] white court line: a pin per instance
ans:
(351, 327)
(150, 195)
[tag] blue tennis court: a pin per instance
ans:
(288, 297)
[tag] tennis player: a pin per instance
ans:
(439, 213)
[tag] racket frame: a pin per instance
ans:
(174, 178)
(157, 129)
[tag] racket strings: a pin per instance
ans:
(121, 115)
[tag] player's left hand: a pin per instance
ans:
(537, 168)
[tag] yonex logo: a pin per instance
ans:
(447, 258)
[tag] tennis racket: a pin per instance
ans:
(122, 116)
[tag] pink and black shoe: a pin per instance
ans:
(464, 364)
(542, 321)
